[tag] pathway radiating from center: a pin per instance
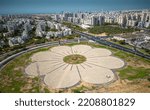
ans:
(64, 66)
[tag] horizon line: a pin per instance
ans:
(34, 13)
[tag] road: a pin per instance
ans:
(34, 47)
(107, 43)
(89, 37)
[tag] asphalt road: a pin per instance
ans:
(107, 43)
(89, 37)
(34, 47)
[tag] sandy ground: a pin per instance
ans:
(98, 35)
(97, 69)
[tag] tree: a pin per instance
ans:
(122, 42)
(114, 40)
(147, 50)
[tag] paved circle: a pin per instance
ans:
(97, 69)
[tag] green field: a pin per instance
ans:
(74, 59)
(110, 30)
(13, 79)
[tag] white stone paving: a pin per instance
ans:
(80, 49)
(62, 50)
(31, 69)
(97, 69)
(107, 62)
(96, 75)
(42, 56)
(97, 52)
(63, 78)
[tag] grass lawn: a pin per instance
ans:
(13, 79)
(79, 89)
(132, 73)
(110, 30)
(74, 59)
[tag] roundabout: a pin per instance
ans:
(64, 66)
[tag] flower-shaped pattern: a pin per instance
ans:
(97, 69)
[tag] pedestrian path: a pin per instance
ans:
(97, 69)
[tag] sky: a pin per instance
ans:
(56, 6)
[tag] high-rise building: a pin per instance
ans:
(101, 20)
(97, 20)
(27, 27)
(122, 20)
(56, 17)
(143, 17)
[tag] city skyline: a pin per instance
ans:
(51, 6)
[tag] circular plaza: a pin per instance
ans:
(65, 66)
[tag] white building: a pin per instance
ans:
(15, 41)
(122, 20)
(118, 38)
(27, 27)
(132, 23)
(2, 43)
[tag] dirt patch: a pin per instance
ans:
(120, 86)
(138, 63)
(127, 87)
(98, 35)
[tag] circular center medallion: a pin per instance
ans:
(74, 59)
